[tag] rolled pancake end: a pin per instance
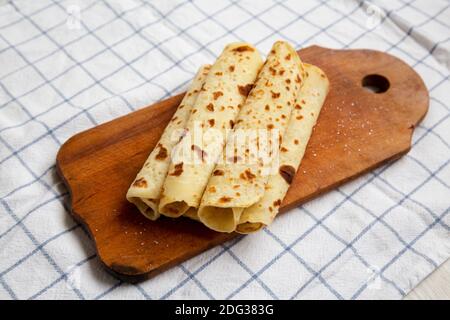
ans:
(148, 208)
(146, 188)
(220, 219)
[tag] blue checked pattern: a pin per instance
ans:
(66, 66)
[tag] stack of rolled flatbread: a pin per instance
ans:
(232, 148)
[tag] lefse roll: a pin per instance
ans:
(216, 108)
(238, 181)
(146, 188)
(304, 116)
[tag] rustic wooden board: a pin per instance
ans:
(357, 131)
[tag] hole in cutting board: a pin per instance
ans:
(375, 83)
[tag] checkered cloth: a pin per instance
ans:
(66, 66)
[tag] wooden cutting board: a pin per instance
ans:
(357, 130)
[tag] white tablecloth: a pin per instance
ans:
(66, 66)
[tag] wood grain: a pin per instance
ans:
(357, 131)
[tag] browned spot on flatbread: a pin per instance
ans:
(225, 199)
(200, 153)
(218, 73)
(210, 107)
(244, 90)
(243, 49)
(217, 94)
(287, 173)
(231, 68)
(211, 122)
(247, 175)
(231, 124)
(277, 203)
(218, 172)
(212, 189)
(234, 159)
(275, 95)
(162, 153)
(178, 170)
(272, 71)
(140, 183)
(183, 134)
(288, 57)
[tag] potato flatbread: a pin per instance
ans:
(146, 188)
(226, 87)
(238, 181)
(304, 116)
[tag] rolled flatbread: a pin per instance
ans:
(304, 116)
(192, 213)
(146, 188)
(238, 181)
(219, 101)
